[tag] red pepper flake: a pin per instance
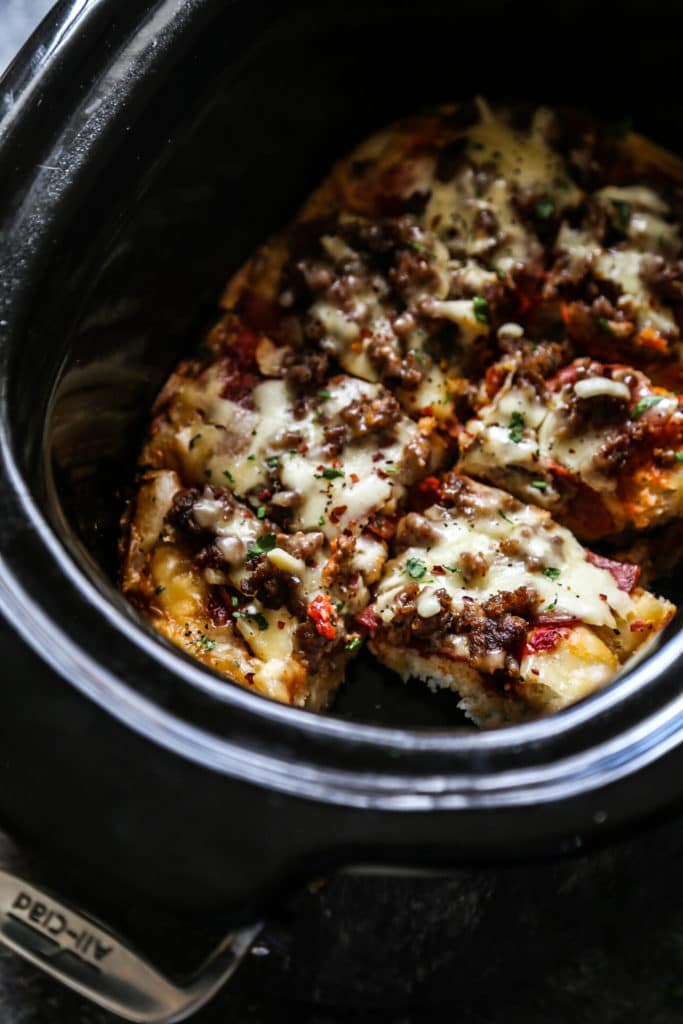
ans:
(337, 513)
(265, 494)
(639, 626)
(427, 410)
(280, 625)
(626, 576)
(250, 678)
(302, 449)
(378, 456)
(535, 672)
(324, 615)
(368, 619)
(381, 474)
(544, 638)
(354, 478)
(603, 597)
(438, 570)
(430, 485)
(381, 527)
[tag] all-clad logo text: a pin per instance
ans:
(56, 924)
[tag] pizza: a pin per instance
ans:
(475, 296)
(267, 493)
(493, 599)
(596, 444)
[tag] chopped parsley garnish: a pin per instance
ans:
(623, 211)
(551, 607)
(159, 589)
(340, 605)
(261, 512)
(481, 309)
(193, 441)
(415, 568)
(545, 208)
(678, 456)
(391, 470)
(540, 485)
(422, 249)
(551, 573)
(251, 458)
(234, 601)
(207, 644)
(476, 145)
(604, 325)
(353, 643)
(262, 545)
(645, 403)
(329, 473)
(452, 568)
(257, 617)
(228, 476)
(516, 427)
(324, 394)
(321, 521)
(207, 473)
(506, 518)
(273, 462)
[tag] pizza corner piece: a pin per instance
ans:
(263, 510)
(491, 598)
(598, 445)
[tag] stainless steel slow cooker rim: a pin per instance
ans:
(641, 741)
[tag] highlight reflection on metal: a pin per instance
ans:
(99, 965)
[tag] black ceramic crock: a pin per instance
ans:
(145, 149)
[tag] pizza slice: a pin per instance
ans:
(492, 599)
(273, 611)
(263, 511)
(420, 245)
(597, 445)
(618, 278)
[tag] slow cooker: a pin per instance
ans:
(145, 149)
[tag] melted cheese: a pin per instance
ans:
(524, 164)
(574, 587)
(242, 450)
(524, 459)
(623, 266)
(641, 213)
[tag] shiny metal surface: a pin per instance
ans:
(99, 965)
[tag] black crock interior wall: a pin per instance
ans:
(221, 154)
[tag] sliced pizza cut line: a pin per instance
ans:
(266, 504)
(493, 599)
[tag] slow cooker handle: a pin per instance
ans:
(102, 967)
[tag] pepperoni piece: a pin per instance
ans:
(626, 576)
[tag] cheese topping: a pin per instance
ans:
(521, 547)
(245, 450)
(522, 437)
